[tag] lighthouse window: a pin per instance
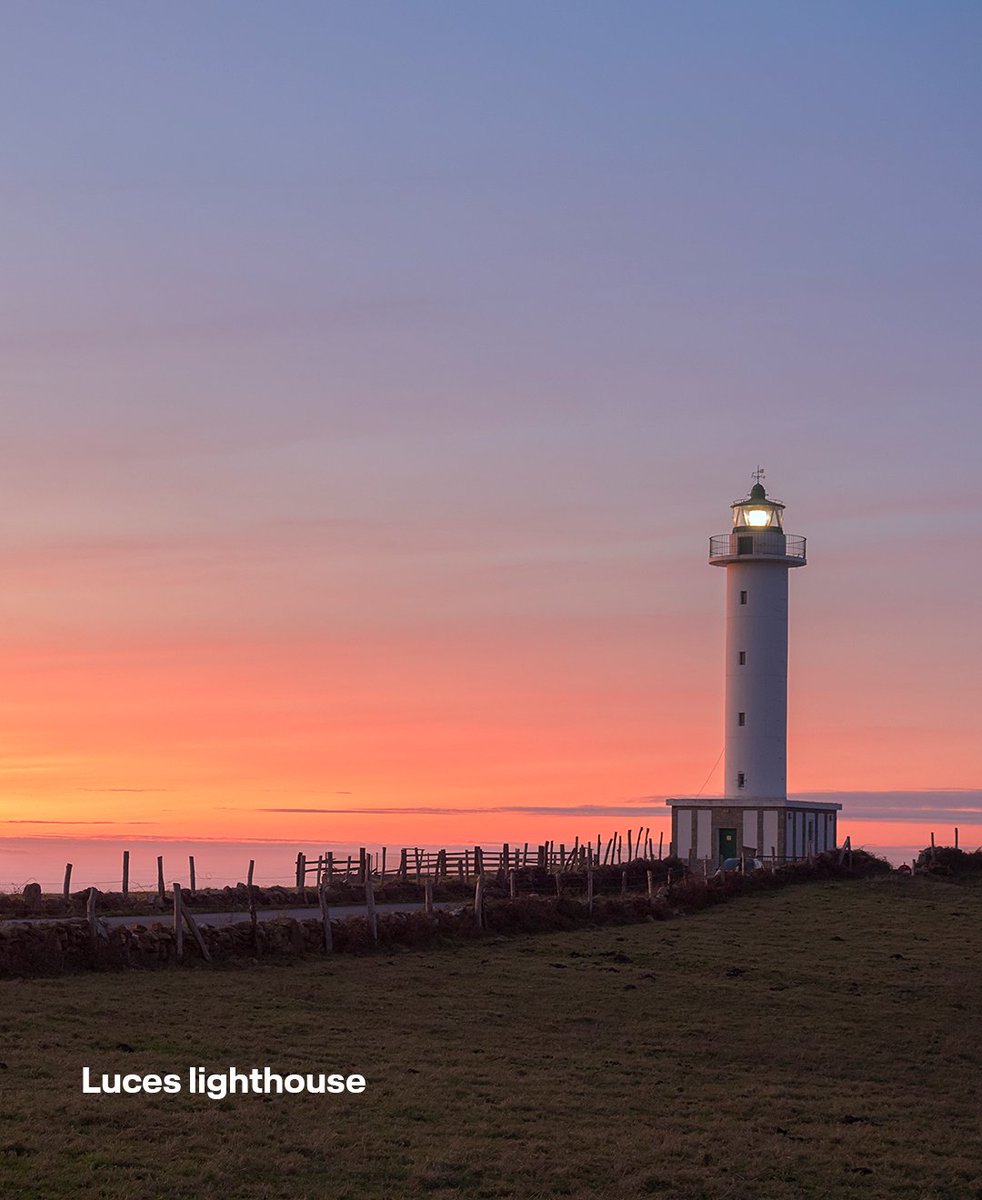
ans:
(741, 718)
(743, 597)
(741, 779)
(743, 658)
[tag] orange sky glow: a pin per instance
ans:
(368, 404)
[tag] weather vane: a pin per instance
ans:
(759, 474)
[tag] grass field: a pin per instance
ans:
(818, 1041)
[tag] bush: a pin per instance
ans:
(946, 860)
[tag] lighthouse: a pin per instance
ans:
(758, 557)
(754, 816)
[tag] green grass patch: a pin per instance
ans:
(815, 1041)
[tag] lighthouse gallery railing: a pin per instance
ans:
(767, 543)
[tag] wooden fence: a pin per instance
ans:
(418, 863)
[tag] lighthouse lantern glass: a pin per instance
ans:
(756, 516)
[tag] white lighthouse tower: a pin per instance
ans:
(758, 556)
(754, 816)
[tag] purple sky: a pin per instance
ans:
(399, 324)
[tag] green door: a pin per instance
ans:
(727, 844)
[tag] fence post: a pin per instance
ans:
(252, 899)
(428, 897)
(126, 872)
(956, 837)
(178, 923)
(559, 884)
(660, 836)
(68, 881)
(651, 884)
(479, 902)
(512, 884)
(382, 871)
(325, 920)
(160, 879)
(191, 878)
(192, 924)
(370, 905)
(90, 914)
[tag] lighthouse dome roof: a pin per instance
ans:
(757, 492)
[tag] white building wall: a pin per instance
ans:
(684, 832)
(759, 687)
(704, 833)
(750, 837)
(770, 832)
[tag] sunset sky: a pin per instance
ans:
(373, 377)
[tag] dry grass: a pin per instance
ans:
(842, 1062)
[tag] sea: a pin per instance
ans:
(97, 862)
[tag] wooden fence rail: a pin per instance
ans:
(416, 863)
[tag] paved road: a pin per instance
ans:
(340, 912)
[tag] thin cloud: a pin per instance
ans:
(26, 821)
(954, 806)
(573, 810)
(100, 791)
